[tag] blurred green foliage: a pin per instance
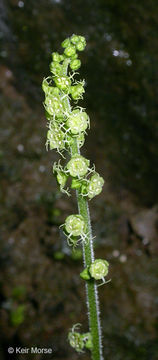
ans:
(17, 315)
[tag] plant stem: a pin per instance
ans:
(88, 258)
(91, 288)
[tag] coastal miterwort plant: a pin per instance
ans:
(67, 128)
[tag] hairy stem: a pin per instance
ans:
(91, 288)
(88, 257)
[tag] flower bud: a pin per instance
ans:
(85, 274)
(70, 51)
(55, 68)
(95, 185)
(75, 64)
(57, 57)
(78, 166)
(81, 44)
(75, 39)
(66, 43)
(75, 56)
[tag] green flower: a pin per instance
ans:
(75, 39)
(99, 269)
(81, 44)
(63, 83)
(53, 105)
(77, 91)
(55, 138)
(78, 166)
(95, 185)
(76, 341)
(75, 225)
(77, 122)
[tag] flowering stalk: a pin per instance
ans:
(67, 130)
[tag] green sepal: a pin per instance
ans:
(85, 274)
(76, 184)
(61, 178)
(88, 343)
(84, 188)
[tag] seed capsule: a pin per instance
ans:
(78, 166)
(99, 269)
(77, 122)
(75, 225)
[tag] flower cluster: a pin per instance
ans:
(67, 128)
(67, 125)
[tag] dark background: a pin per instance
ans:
(41, 293)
